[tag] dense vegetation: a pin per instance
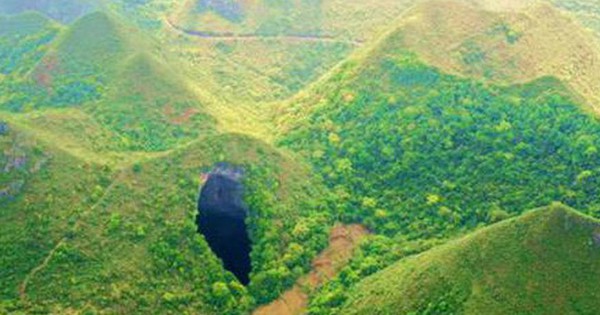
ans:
(483, 153)
(108, 121)
(423, 153)
(138, 103)
(122, 245)
(554, 252)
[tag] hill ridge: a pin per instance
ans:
(461, 275)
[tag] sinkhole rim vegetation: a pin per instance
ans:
(125, 240)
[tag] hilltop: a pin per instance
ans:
(64, 11)
(517, 44)
(23, 40)
(412, 150)
(546, 261)
(418, 154)
(417, 125)
(263, 51)
(102, 236)
(103, 165)
(102, 75)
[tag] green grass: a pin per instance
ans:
(88, 237)
(269, 66)
(586, 11)
(37, 211)
(23, 39)
(112, 120)
(64, 11)
(131, 101)
(413, 151)
(543, 262)
(416, 154)
(149, 108)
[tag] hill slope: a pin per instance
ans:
(544, 262)
(586, 11)
(130, 142)
(114, 82)
(256, 51)
(86, 237)
(507, 46)
(62, 10)
(328, 18)
(34, 209)
(113, 125)
(411, 150)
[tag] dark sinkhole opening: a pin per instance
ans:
(222, 219)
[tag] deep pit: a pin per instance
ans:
(222, 219)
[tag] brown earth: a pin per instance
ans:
(342, 242)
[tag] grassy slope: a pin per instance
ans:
(372, 128)
(23, 39)
(143, 102)
(453, 136)
(507, 46)
(45, 190)
(268, 69)
(62, 10)
(546, 261)
(115, 84)
(124, 240)
(132, 239)
(586, 11)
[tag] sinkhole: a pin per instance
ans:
(222, 219)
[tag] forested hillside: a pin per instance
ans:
(545, 262)
(420, 153)
(416, 154)
(426, 128)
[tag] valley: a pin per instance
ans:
(302, 157)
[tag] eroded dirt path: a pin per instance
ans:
(253, 36)
(342, 242)
(60, 243)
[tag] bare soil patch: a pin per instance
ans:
(342, 242)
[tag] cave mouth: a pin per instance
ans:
(222, 220)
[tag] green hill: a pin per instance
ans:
(150, 108)
(24, 40)
(116, 199)
(514, 43)
(62, 10)
(87, 237)
(411, 150)
(85, 60)
(127, 94)
(71, 66)
(262, 51)
(35, 208)
(545, 262)
(110, 123)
